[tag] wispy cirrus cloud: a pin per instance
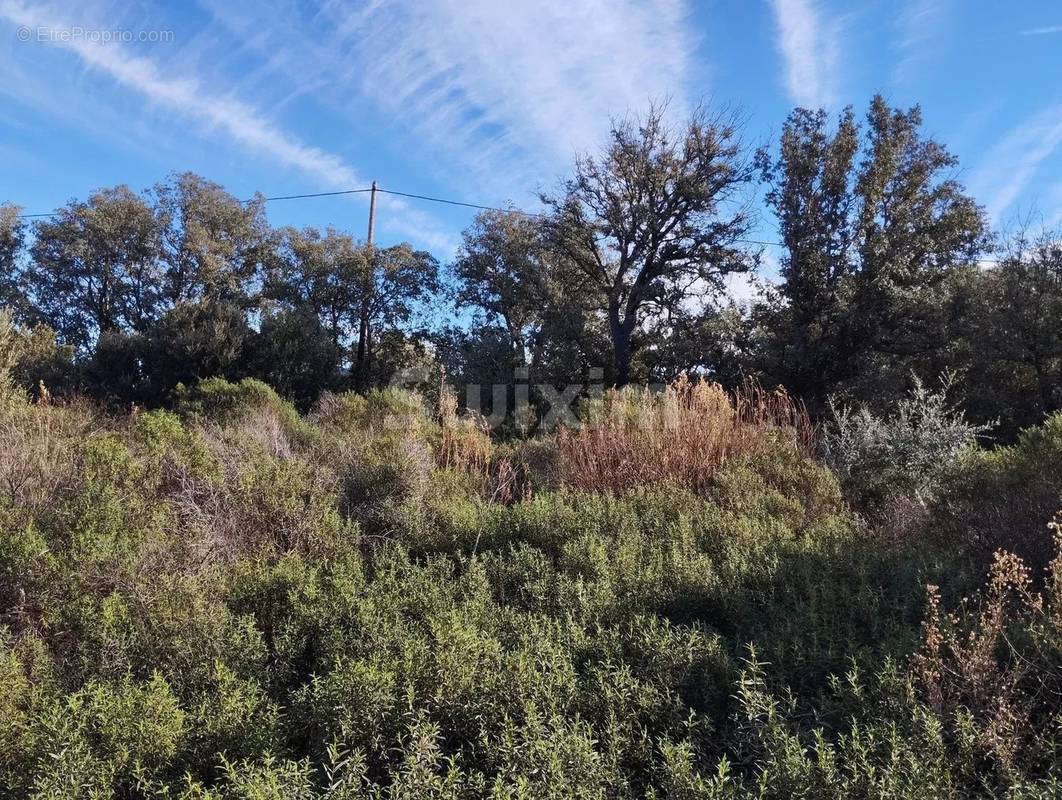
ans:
(541, 76)
(191, 99)
(1047, 31)
(1008, 168)
(810, 47)
(185, 95)
(918, 24)
(503, 93)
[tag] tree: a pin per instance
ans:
(95, 267)
(196, 340)
(811, 193)
(655, 221)
(213, 246)
(322, 272)
(504, 270)
(1013, 334)
(296, 355)
(873, 225)
(713, 343)
(12, 244)
(914, 226)
(45, 365)
(359, 296)
(213, 254)
(390, 285)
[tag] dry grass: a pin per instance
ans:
(466, 447)
(633, 437)
(35, 446)
(974, 670)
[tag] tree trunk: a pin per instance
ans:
(621, 348)
(361, 359)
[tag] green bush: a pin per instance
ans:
(32, 361)
(1003, 498)
(220, 401)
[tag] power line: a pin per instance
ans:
(316, 194)
(459, 203)
(357, 191)
(251, 200)
(446, 202)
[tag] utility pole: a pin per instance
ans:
(361, 363)
(372, 216)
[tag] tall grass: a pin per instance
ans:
(634, 437)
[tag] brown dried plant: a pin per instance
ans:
(971, 665)
(632, 437)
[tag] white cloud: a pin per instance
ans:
(189, 98)
(501, 94)
(809, 47)
(550, 71)
(1043, 31)
(1008, 167)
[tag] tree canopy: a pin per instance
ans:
(887, 273)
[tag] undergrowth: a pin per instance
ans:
(377, 600)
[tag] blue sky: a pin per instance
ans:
(488, 100)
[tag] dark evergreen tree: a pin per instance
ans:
(873, 225)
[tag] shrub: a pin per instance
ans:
(1000, 498)
(189, 608)
(8, 358)
(904, 454)
(45, 368)
(32, 360)
(222, 402)
(36, 447)
(378, 410)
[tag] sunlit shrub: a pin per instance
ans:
(906, 453)
(378, 410)
(37, 443)
(44, 367)
(223, 402)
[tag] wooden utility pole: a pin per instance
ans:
(372, 216)
(361, 364)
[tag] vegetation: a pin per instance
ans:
(234, 600)
(882, 284)
(254, 545)
(906, 454)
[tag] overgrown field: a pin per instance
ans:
(677, 600)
